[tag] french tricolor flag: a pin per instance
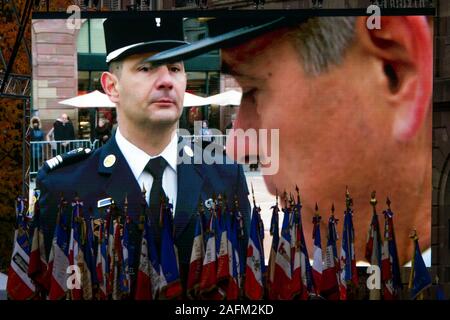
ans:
(59, 257)
(234, 283)
(223, 271)
(255, 268)
(197, 257)
(208, 277)
(390, 268)
(317, 267)
(330, 275)
(148, 277)
(75, 252)
(170, 271)
(282, 287)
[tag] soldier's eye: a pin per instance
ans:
(144, 68)
(175, 68)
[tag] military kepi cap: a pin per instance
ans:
(126, 36)
(223, 33)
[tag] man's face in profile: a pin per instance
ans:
(358, 123)
(325, 121)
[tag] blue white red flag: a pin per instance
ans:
(282, 287)
(197, 257)
(255, 265)
(223, 256)
(234, 283)
(390, 267)
(275, 233)
(59, 255)
(170, 272)
(331, 274)
(317, 268)
(76, 256)
(148, 277)
(20, 286)
(305, 264)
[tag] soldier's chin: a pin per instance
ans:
(165, 117)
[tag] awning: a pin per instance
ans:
(97, 99)
(230, 97)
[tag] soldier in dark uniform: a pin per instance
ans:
(145, 151)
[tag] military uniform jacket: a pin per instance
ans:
(91, 180)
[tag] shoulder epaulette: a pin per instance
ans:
(67, 158)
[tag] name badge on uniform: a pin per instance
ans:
(104, 202)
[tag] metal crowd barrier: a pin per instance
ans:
(41, 151)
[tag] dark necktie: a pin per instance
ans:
(156, 167)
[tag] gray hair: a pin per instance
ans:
(116, 67)
(322, 42)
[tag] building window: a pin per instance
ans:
(91, 38)
(97, 36)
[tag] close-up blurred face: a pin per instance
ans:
(326, 122)
(362, 122)
(149, 95)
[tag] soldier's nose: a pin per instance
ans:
(165, 80)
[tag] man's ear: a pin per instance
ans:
(404, 45)
(109, 83)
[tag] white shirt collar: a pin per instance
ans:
(137, 159)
